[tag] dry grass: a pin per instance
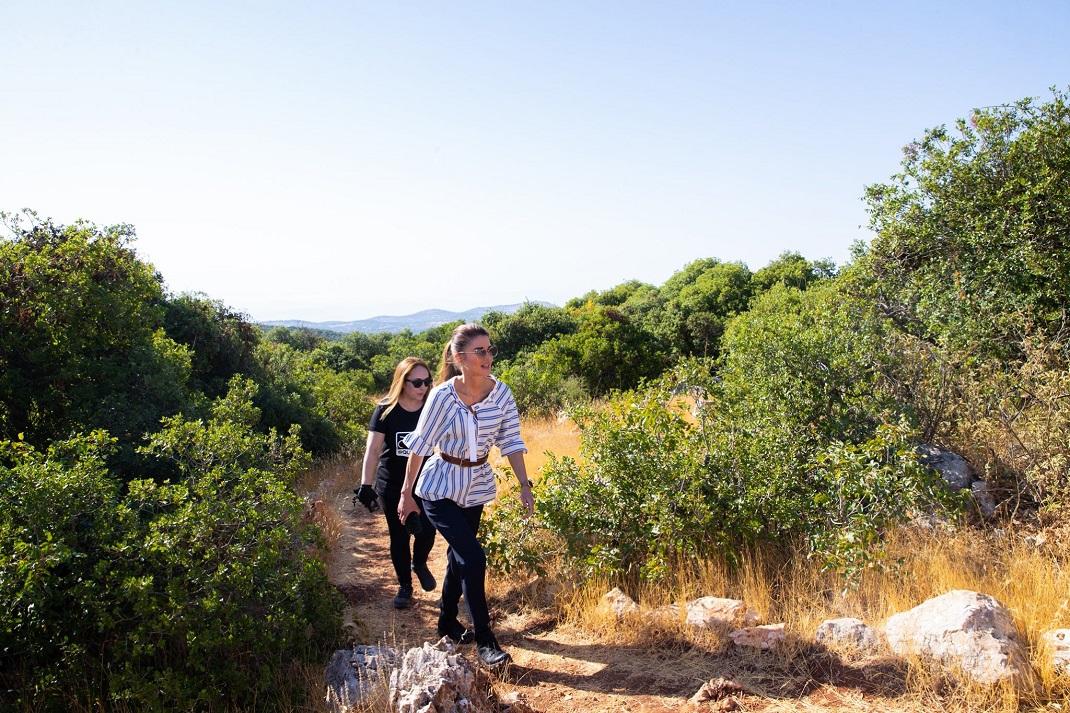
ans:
(1032, 581)
(326, 487)
(542, 436)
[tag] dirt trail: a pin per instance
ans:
(557, 668)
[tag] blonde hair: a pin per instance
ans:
(401, 372)
(460, 338)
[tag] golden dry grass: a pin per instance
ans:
(1032, 581)
(542, 436)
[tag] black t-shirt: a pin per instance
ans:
(394, 426)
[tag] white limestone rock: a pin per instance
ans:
(1057, 642)
(714, 612)
(848, 632)
(352, 673)
(766, 636)
(434, 678)
(963, 629)
(617, 603)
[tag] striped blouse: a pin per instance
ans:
(467, 434)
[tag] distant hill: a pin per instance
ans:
(415, 322)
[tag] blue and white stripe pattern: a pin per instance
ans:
(467, 434)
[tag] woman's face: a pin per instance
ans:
(412, 391)
(476, 358)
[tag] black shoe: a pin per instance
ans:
(403, 600)
(456, 632)
(490, 653)
(427, 580)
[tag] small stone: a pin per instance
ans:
(766, 636)
(848, 631)
(617, 603)
(716, 689)
(1058, 644)
(713, 612)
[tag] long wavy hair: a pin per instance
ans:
(460, 338)
(401, 372)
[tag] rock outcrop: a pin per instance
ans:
(434, 678)
(352, 673)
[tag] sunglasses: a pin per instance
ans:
(417, 383)
(481, 352)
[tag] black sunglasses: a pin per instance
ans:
(420, 382)
(481, 352)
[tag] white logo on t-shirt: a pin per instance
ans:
(399, 446)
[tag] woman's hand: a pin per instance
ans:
(527, 498)
(406, 506)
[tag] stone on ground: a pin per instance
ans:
(617, 603)
(1058, 644)
(963, 629)
(848, 632)
(434, 678)
(766, 636)
(714, 612)
(352, 673)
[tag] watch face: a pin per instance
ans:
(399, 446)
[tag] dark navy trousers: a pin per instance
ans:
(399, 540)
(466, 568)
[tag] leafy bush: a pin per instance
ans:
(541, 385)
(795, 440)
(971, 262)
(515, 543)
(332, 408)
(80, 340)
(185, 595)
(970, 247)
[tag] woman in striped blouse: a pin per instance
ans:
(467, 413)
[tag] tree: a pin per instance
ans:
(699, 300)
(81, 339)
(972, 245)
(792, 270)
(608, 350)
(527, 328)
(221, 340)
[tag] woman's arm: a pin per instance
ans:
(516, 460)
(373, 450)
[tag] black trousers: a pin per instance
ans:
(399, 540)
(466, 568)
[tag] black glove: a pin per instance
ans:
(414, 524)
(367, 497)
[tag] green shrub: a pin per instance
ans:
(189, 595)
(540, 384)
(793, 441)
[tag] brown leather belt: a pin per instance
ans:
(461, 462)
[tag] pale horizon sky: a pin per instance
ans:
(342, 160)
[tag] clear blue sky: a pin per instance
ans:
(338, 160)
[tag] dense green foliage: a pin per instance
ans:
(151, 545)
(971, 259)
(793, 440)
(190, 594)
(950, 328)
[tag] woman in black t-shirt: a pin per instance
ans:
(385, 457)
